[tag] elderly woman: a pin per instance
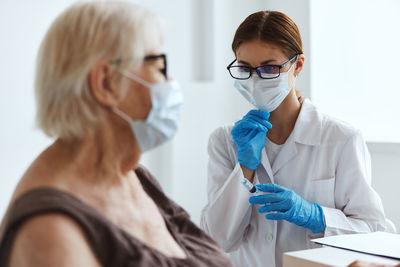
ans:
(102, 92)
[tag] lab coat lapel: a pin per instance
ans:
(288, 152)
(267, 166)
(307, 131)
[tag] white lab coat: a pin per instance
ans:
(324, 160)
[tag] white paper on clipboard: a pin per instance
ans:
(377, 243)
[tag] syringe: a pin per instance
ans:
(249, 186)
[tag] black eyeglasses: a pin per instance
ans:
(264, 71)
(155, 57)
(148, 58)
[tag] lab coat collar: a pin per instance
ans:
(288, 152)
(308, 127)
(267, 166)
(307, 131)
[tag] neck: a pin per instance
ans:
(106, 155)
(283, 119)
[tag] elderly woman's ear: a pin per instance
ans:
(100, 83)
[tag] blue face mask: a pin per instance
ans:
(162, 122)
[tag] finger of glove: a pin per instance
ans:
(244, 130)
(249, 124)
(253, 140)
(266, 124)
(258, 126)
(278, 206)
(261, 120)
(258, 140)
(264, 115)
(270, 188)
(266, 199)
(276, 216)
(242, 135)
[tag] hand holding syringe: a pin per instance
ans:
(281, 203)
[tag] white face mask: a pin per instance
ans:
(265, 94)
(162, 122)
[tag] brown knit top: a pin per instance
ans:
(111, 244)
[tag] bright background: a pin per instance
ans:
(352, 65)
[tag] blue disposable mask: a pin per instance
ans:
(265, 94)
(162, 122)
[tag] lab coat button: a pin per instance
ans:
(269, 237)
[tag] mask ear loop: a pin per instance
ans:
(122, 114)
(135, 78)
(294, 64)
(295, 76)
(300, 98)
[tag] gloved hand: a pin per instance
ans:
(249, 135)
(289, 206)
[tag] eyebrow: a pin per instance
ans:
(262, 63)
(268, 61)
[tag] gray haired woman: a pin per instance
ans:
(102, 92)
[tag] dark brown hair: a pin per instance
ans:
(273, 27)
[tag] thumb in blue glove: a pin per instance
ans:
(249, 135)
(287, 205)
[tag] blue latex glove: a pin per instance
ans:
(289, 206)
(249, 135)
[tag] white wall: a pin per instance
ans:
(385, 177)
(22, 26)
(355, 63)
(354, 68)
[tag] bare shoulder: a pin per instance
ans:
(51, 240)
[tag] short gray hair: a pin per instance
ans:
(85, 33)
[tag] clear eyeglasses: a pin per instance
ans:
(264, 71)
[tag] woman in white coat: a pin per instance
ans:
(315, 169)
